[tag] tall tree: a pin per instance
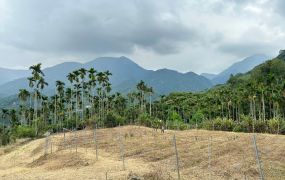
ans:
(36, 81)
(23, 96)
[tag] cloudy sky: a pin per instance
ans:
(186, 35)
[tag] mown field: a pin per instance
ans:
(147, 154)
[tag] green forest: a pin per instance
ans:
(251, 102)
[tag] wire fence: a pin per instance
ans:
(183, 155)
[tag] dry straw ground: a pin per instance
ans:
(148, 155)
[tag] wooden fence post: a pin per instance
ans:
(86, 139)
(46, 144)
(177, 158)
(75, 141)
(261, 176)
(122, 150)
(51, 147)
(210, 157)
(96, 142)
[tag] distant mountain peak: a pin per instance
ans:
(166, 70)
(242, 66)
(190, 73)
(124, 57)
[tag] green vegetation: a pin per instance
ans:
(252, 102)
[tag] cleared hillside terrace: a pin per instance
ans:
(147, 154)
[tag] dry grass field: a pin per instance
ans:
(147, 155)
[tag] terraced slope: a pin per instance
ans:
(147, 155)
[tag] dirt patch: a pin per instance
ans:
(58, 161)
(12, 147)
(158, 172)
(38, 149)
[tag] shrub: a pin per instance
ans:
(183, 126)
(208, 125)
(144, 119)
(246, 123)
(282, 127)
(260, 126)
(198, 118)
(174, 116)
(25, 132)
(275, 125)
(175, 121)
(177, 125)
(70, 123)
(223, 124)
(238, 128)
(156, 123)
(113, 120)
(90, 122)
(5, 136)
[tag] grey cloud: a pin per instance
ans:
(222, 6)
(280, 6)
(147, 31)
(254, 40)
(101, 26)
(243, 49)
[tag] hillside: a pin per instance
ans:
(250, 102)
(7, 75)
(209, 75)
(243, 66)
(165, 81)
(147, 154)
(269, 73)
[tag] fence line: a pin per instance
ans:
(129, 145)
(261, 176)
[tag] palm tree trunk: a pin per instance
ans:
(30, 115)
(60, 111)
(229, 111)
(222, 110)
(55, 110)
(76, 109)
(150, 105)
(251, 111)
(36, 111)
(82, 100)
(254, 110)
(263, 107)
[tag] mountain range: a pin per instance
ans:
(126, 74)
(242, 66)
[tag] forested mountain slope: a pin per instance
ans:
(255, 100)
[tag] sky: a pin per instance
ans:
(184, 35)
